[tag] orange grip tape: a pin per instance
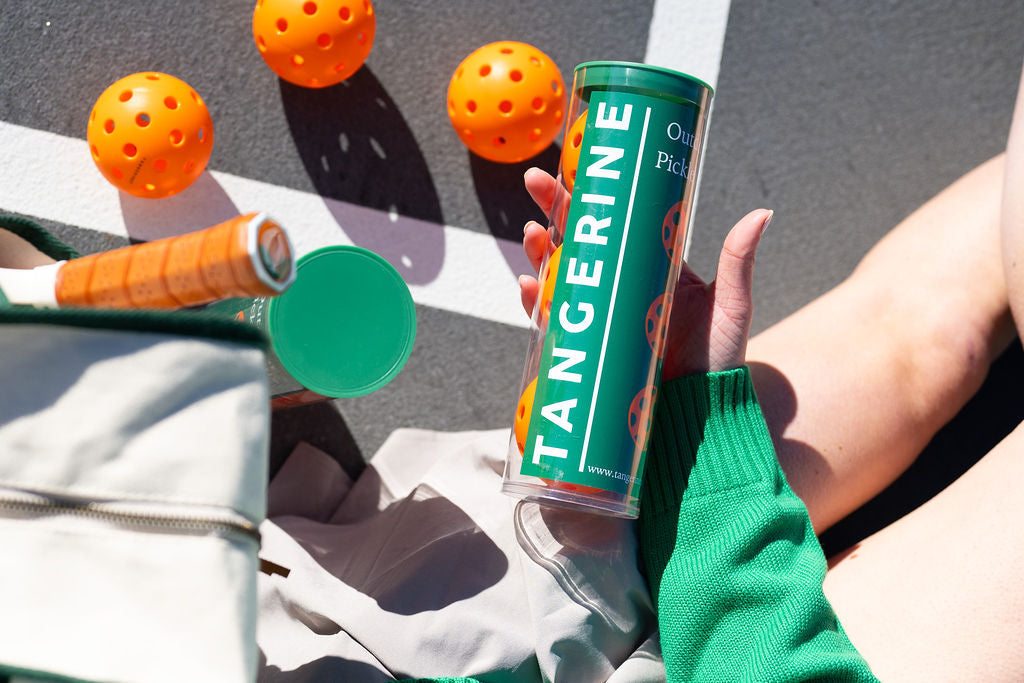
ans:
(107, 284)
(144, 290)
(73, 282)
(187, 270)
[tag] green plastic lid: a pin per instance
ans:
(642, 78)
(347, 324)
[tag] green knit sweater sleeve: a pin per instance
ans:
(730, 553)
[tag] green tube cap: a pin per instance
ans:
(642, 78)
(347, 325)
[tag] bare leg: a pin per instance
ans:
(939, 595)
(856, 383)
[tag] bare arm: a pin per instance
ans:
(856, 383)
(1013, 211)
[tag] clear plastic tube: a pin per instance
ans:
(619, 225)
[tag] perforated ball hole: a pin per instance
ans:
(202, 135)
(125, 96)
(95, 152)
(506, 51)
(345, 13)
(309, 8)
(471, 106)
(485, 70)
(538, 105)
(150, 187)
(130, 150)
(577, 140)
(196, 98)
(498, 141)
(505, 106)
(535, 60)
(361, 38)
(297, 60)
(282, 25)
(116, 172)
(535, 134)
(468, 134)
(189, 166)
(152, 77)
(516, 75)
(262, 44)
(142, 119)
(108, 126)
(177, 137)
(170, 102)
(324, 40)
(339, 67)
(367, 7)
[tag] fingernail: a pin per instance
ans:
(522, 280)
(767, 220)
(528, 224)
(530, 170)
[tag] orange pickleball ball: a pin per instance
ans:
(548, 276)
(150, 135)
(523, 412)
(506, 101)
(314, 43)
(571, 151)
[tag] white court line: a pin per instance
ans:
(52, 177)
(687, 35)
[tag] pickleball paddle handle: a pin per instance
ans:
(246, 256)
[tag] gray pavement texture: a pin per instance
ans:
(843, 117)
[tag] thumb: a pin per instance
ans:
(735, 277)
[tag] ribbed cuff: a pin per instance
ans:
(708, 435)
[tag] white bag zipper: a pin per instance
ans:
(135, 515)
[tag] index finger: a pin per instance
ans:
(544, 189)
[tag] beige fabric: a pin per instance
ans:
(147, 423)
(423, 567)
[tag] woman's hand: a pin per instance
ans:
(710, 322)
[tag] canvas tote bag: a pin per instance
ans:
(133, 470)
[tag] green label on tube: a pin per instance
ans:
(600, 363)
